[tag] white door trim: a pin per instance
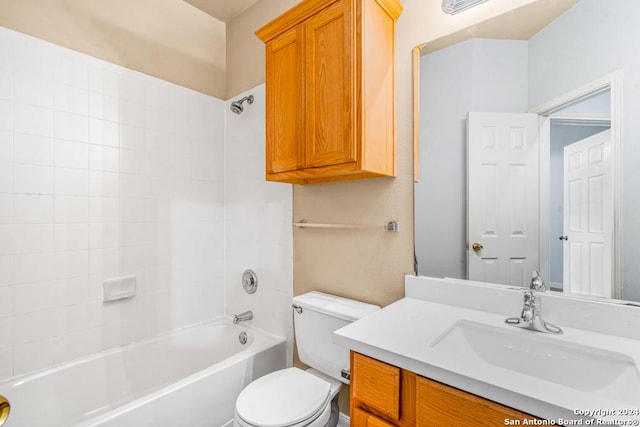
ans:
(613, 82)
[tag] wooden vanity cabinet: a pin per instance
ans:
(384, 395)
(329, 91)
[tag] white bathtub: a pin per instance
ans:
(187, 378)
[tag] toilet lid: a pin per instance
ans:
(282, 398)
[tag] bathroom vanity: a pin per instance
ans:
(386, 395)
(445, 351)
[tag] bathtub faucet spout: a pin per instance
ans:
(242, 317)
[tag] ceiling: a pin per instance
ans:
(224, 10)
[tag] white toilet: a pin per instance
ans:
(295, 398)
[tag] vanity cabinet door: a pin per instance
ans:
(360, 418)
(376, 385)
(440, 405)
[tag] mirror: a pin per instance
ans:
(568, 73)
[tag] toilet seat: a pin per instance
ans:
(286, 398)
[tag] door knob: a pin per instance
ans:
(563, 238)
(477, 247)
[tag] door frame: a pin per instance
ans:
(613, 83)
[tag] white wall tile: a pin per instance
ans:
(69, 237)
(71, 182)
(133, 234)
(6, 302)
(32, 238)
(33, 90)
(78, 317)
(71, 99)
(71, 291)
(29, 208)
(6, 84)
(32, 356)
(132, 89)
(6, 177)
(77, 344)
(31, 120)
(132, 113)
(71, 154)
(133, 161)
(6, 362)
(31, 297)
(104, 235)
(32, 149)
(133, 209)
(132, 137)
(6, 208)
(69, 264)
(104, 184)
(71, 209)
(103, 158)
(32, 179)
(33, 57)
(158, 141)
(104, 107)
(6, 239)
(6, 146)
(6, 332)
(30, 268)
(104, 262)
(159, 163)
(103, 132)
(158, 118)
(133, 185)
(104, 209)
(103, 79)
(133, 259)
(6, 270)
(71, 70)
(73, 127)
(5, 114)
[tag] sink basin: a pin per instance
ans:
(538, 355)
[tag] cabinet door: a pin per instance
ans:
(441, 405)
(285, 102)
(330, 86)
(361, 418)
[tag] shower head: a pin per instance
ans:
(236, 106)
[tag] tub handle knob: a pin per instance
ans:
(5, 408)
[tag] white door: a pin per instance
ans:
(587, 216)
(502, 197)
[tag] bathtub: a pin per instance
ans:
(190, 377)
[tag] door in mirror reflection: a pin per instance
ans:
(502, 197)
(587, 216)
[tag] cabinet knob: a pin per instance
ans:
(477, 247)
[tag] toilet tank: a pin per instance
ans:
(316, 316)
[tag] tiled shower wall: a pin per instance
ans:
(104, 172)
(258, 225)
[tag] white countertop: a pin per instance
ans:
(403, 334)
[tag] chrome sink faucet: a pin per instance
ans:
(531, 312)
(242, 317)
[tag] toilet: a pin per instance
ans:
(294, 397)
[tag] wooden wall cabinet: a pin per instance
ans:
(384, 395)
(330, 91)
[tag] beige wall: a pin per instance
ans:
(366, 265)
(245, 51)
(169, 39)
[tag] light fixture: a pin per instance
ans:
(455, 6)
